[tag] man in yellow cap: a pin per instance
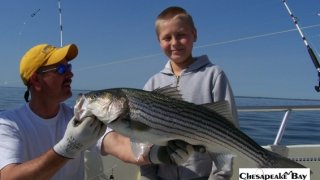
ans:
(42, 140)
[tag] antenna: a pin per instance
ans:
(60, 18)
(310, 50)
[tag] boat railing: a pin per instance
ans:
(287, 111)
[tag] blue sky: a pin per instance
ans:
(254, 41)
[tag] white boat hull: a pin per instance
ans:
(102, 167)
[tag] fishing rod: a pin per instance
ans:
(60, 20)
(310, 50)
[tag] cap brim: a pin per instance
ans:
(68, 53)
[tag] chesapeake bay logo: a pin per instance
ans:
(274, 174)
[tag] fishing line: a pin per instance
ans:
(60, 21)
(119, 61)
(32, 15)
(195, 47)
(253, 37)
(310, 50)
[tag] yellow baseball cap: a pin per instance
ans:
(44, 55)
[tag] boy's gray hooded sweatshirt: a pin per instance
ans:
(200, 83)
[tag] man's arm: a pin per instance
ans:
(174, 153)
(78, 136)
(43, 167)
(120, 146)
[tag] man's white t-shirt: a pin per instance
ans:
(25, 136)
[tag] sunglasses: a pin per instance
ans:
(60, 69)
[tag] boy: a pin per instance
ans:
(199, 81)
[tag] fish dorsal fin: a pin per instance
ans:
(222, 108)
(169, 91)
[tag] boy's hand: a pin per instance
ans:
(175, 153)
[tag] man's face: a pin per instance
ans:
(56, 80)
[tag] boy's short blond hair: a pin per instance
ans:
(174, 12)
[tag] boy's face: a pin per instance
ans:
(176, 39)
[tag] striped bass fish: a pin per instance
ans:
(160, 116)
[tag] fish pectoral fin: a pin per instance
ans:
(136, 125)
(222, 108)
(221, 166)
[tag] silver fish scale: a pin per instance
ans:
(190, 123)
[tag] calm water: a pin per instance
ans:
(303, 127)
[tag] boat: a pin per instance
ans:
(108, 167)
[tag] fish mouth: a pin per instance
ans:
(79, 109)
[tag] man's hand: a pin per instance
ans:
(175, 153)
(79, 136)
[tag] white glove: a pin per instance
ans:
(79, 136)
(175, 153)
